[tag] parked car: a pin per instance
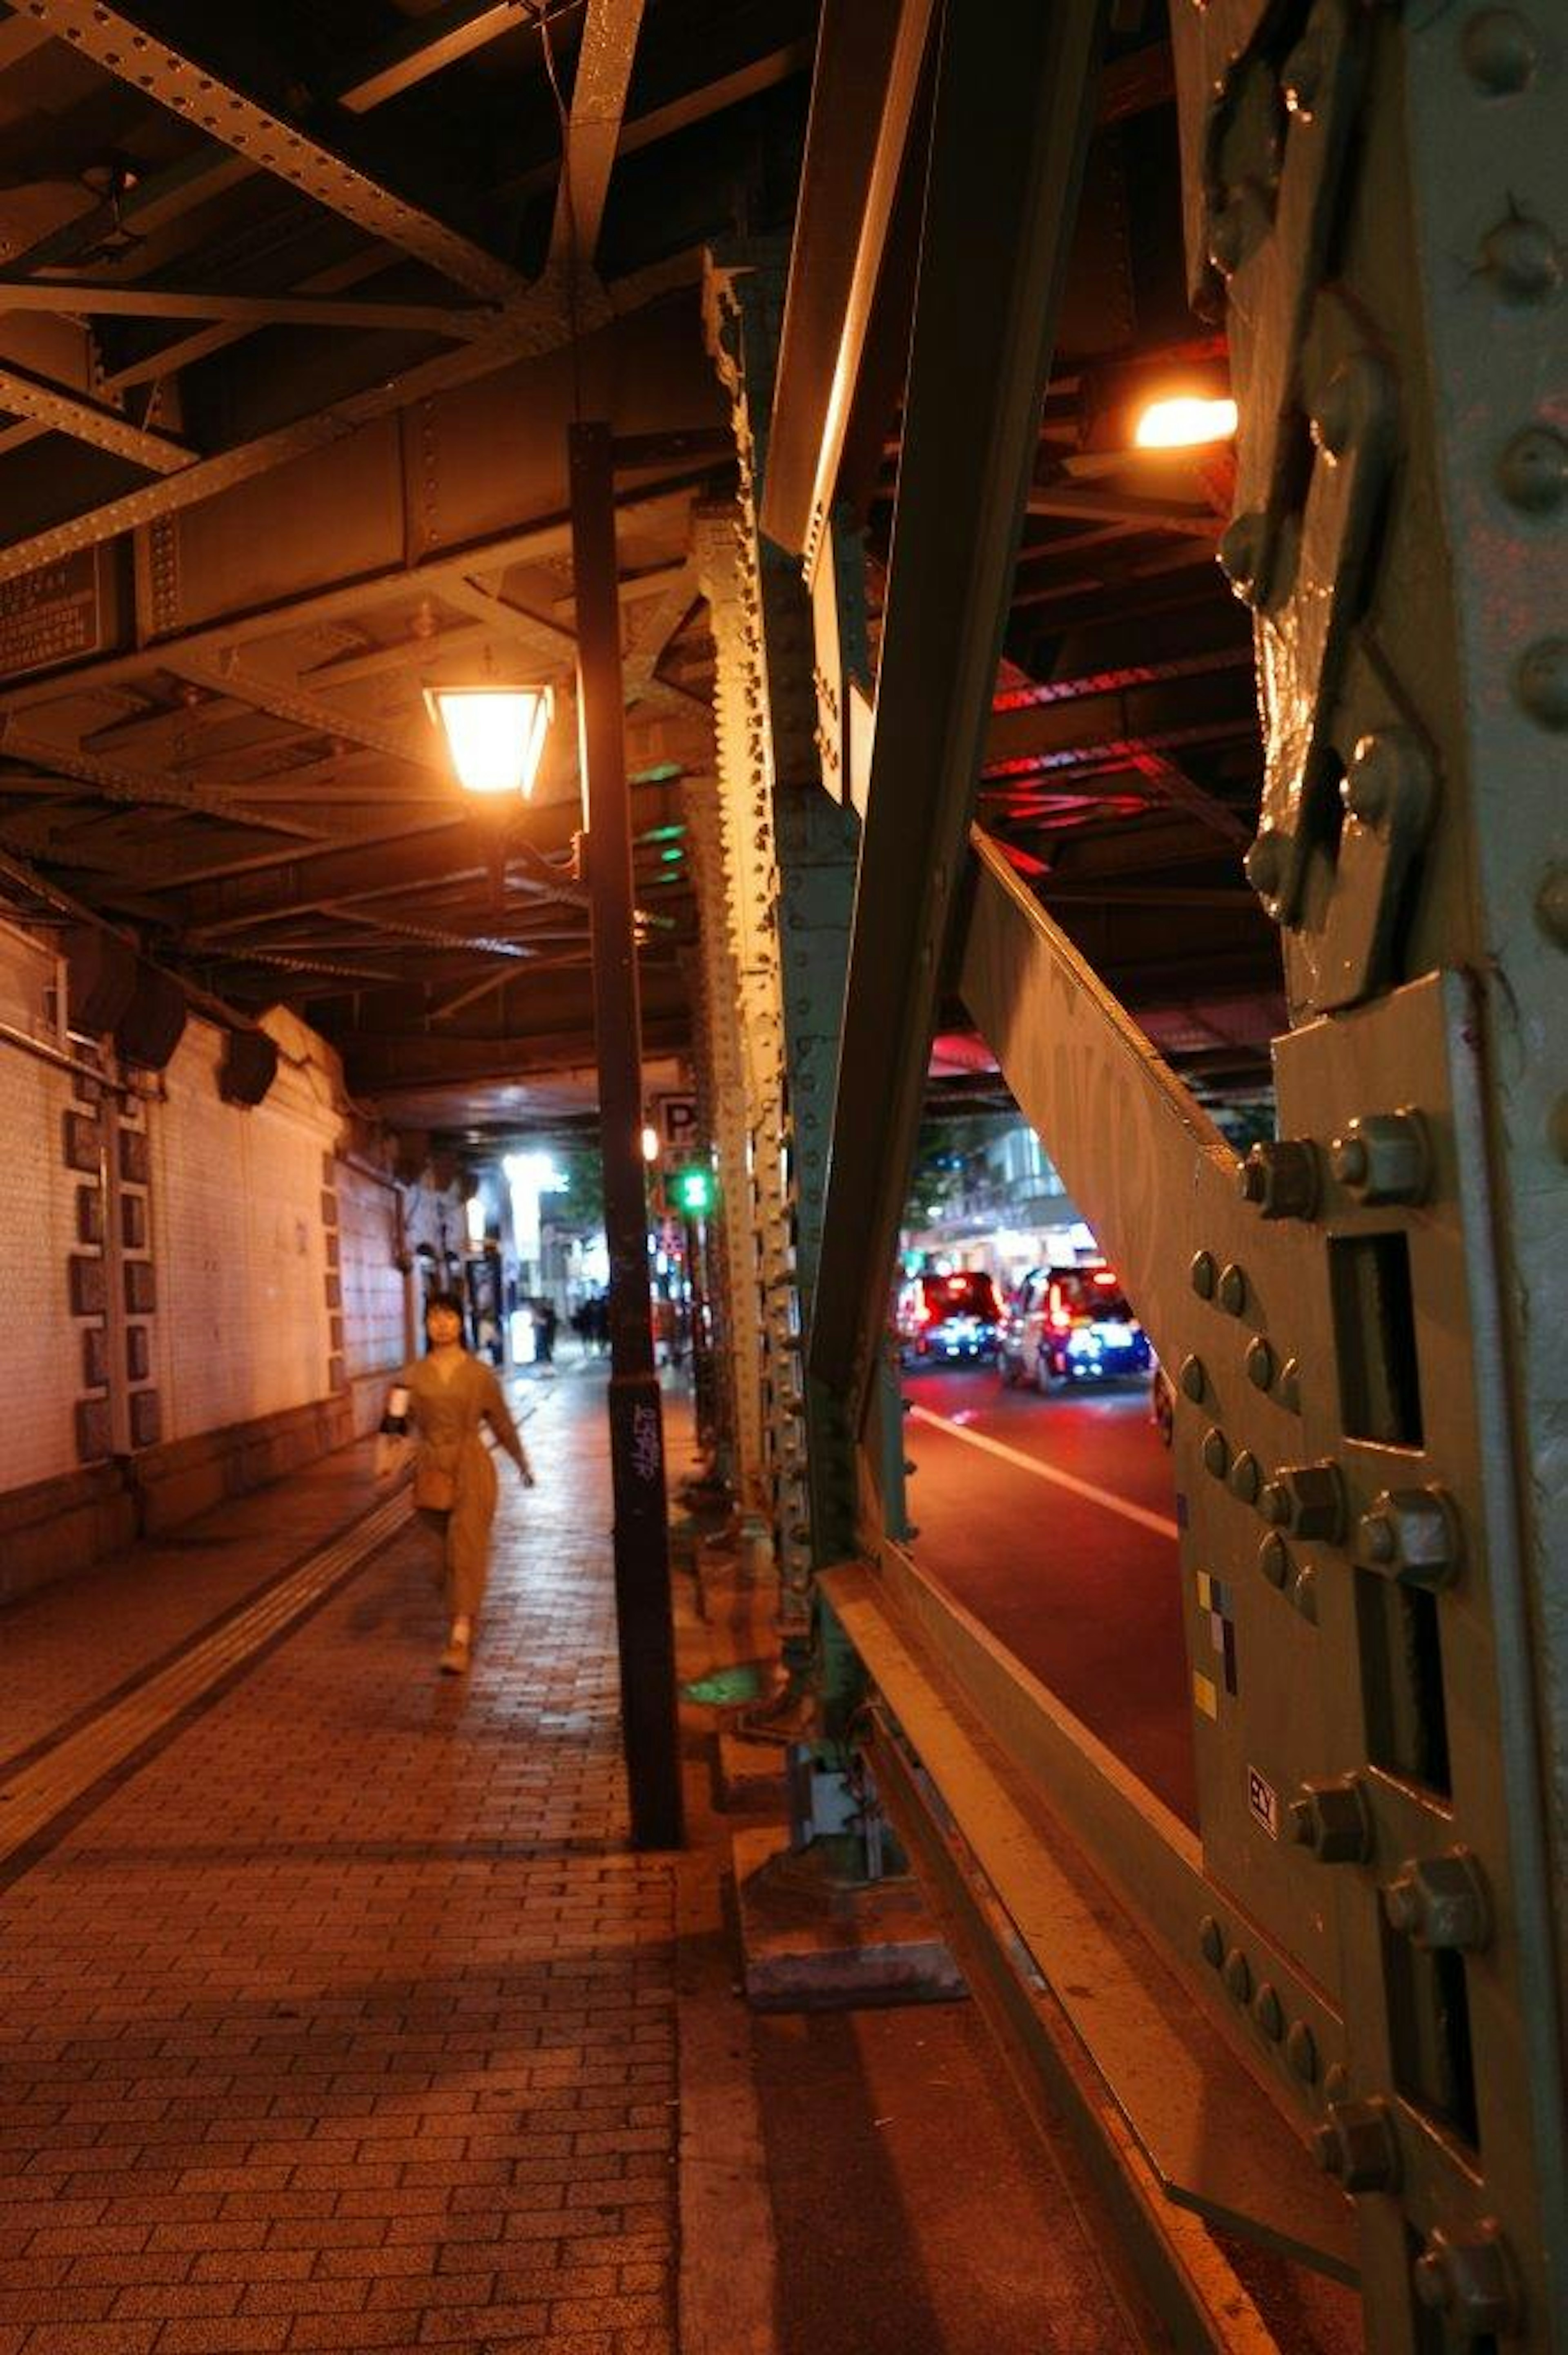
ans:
(1071, 1325)
(948, 1319)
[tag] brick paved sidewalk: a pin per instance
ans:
(347, 2020)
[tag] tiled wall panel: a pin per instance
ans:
(372, 1284)
(38, 1235)
(240, 1245)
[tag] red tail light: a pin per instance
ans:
(1105, 1278)
(1061, 1315)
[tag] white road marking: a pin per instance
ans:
(1159, 1522)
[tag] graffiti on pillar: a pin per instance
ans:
(646, 1448)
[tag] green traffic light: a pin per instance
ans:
(693, 1191)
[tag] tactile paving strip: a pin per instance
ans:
(51, 1785)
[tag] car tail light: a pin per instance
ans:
(1061, 1315)
(1105, 1278)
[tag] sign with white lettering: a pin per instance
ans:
(675, 1118)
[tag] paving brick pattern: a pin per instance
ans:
(348, 2021)
(64, 1647)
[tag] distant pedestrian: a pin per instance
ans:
(441, 1402)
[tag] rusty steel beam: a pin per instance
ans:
(91, 298)
(148, 788)
(56, 409)
(593, 130)
(870, 56)
(122, 45)
(1001, 201)
(528, 330)
(285, 699)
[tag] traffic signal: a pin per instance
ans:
(690, 1192)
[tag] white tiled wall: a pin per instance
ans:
(241, 1257)
(37, 1438)
(372, 1284)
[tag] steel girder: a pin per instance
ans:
(722, 1105)
(1006, 160)
(815, 842)
(757, 1232)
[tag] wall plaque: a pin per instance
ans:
(51, 615)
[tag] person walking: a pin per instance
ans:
(440, 1402)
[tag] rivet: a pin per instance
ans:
(1203, 1275)
(1273, 1504)
(1211, 1942)
(1333, 418)
(1193, 1379)
(1541, 680)
(1238, 1976)
(1227, 239)
(1259, 1362)
(1336, 2083)
(1266, 2010)
(1551, 906)
(1289, 1388)
(1216, 1451)
(1533, 472)
(1241, 556)
(1264, 864)
(1499, 51)
(1301, 2051)
(1233, 1289)
(1244, 1477)
(1303, 1593)
(1521, 257)
(1303, 76)
(1274, 1559)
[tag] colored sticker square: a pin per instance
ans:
(1216, 1631)
(1230, 1653)
(1204, 1695)
(1205, 1591)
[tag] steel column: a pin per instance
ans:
(644, 1628)
(1006, 161)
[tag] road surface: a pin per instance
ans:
(1053, 1520)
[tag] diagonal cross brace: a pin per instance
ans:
(120, 45)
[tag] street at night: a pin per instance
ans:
(1053, 1519)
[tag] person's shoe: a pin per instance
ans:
(454, 1660)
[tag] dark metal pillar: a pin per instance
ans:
(644, 1633)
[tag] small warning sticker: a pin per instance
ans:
(1264, 1802)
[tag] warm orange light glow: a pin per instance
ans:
(1184, 420)
(650, 1145)
(495, 734)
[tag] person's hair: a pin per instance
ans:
(449, 1301)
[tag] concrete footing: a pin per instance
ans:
(812, 1942)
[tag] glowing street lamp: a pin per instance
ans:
(1184, 421)
(494, 734)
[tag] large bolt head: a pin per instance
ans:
(1467, 2276)
(1281, 1178)
(1307, 1500)
(1329, 1816)
(1382, 1158)
(1411, 1534)
(1440, 1903)
(1356, 2144)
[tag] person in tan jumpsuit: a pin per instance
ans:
(441, 1402)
